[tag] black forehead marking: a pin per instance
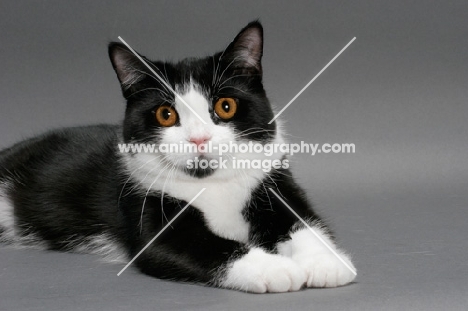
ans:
(191, 71)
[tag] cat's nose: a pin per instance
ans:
(199, 140)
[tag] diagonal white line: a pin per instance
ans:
(161, 80)
(315, 233)
(160, 232)
(310, 82)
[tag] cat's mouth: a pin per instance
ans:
(199, 167)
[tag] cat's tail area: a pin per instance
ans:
(104, 245)
(9, 234)
(7, 222)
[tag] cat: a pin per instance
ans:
(73, 189)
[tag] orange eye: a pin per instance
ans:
(166, 116)
(226, 108)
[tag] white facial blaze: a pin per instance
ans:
(200, 105)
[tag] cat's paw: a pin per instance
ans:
(260, 272)
(310, 249)
(326, 270)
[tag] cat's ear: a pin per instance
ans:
(130, 70)
(246, 49)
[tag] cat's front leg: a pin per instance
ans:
(324, 266)
(190, 251)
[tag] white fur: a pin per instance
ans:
(103, 245)
(260, 272)
(7, 224)
(199, 103)
(221, 202)
(227, 190)
(131, 78)
(322, 267)
(7, 221)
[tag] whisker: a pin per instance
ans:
(237, 136)
(233, 77)
(232, 87)
(281, 173)
(171, 171)
(276, 185)
(229, 65)
(165, 74)
(145, 73)
(268, 196)
(254, 128)
(250, 133)
(214, 72)
(154, 89)
(149, 172)
(218, 65)
(129, 177)
(146, 196)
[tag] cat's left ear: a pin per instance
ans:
(246, 50)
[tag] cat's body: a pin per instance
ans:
(73, 190)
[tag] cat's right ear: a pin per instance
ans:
(130, 70)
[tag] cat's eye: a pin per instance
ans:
(225, 108)
(166, 116)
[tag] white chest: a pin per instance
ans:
(221, 204)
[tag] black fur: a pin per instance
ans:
(65, 185)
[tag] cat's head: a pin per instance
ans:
(219, 99)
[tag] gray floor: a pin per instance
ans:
(399, 93)
(410, 249)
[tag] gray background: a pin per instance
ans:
(399, 93)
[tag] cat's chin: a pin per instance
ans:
(199, 172)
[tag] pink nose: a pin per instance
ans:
(199, 140)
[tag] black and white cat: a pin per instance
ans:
(72, 189)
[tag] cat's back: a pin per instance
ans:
(60, 187)
(66, 146)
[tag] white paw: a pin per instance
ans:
(260, 272)
(326, 270)
(323, 268)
